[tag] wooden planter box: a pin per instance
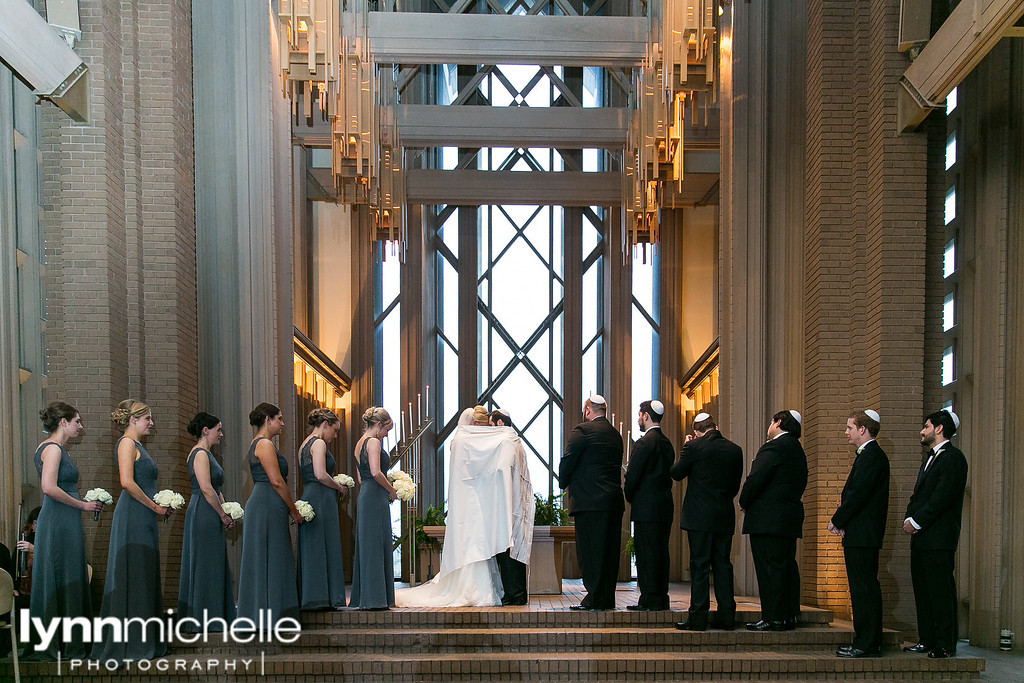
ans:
(545, 568)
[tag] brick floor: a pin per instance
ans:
(543, 641)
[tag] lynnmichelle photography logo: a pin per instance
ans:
(41, 634)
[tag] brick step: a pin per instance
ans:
(611, 667)
(520, 640)
(522, 617)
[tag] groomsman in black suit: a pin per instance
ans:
(933, 521)
(860, 520)
(713, 467)
(648, 490)
(771, 498)
(591, 473)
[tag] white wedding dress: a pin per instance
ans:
(490, 509)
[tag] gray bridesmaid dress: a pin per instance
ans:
(132, 588)
(321, 572)
(205, 582)
(60, 580)
(373, 570)
(266, 579)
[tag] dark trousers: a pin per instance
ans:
(650, 542)
(865, 596)
(513, 579)
(778, 578)
(932, 572)
(711, 555)
(598, 543)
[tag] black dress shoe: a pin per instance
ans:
(791, 622)
(690, 626)
(639, 608)
(940, 653)
(767, 626)
(844, 647)
(857, 653)
(582, 608)
(917, 649)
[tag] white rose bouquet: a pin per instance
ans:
(98, 494)
(169, 499)
(404, 485)
(344, 480)
(305, 509)
(233, 510)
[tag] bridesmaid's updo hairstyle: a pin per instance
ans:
(52, 414)
(126, 410)
(375, 415)
(261, 413)
(318, 416)
(200, 422)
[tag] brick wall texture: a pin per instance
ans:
(119, 227)
(865, 285)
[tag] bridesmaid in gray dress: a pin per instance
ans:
(267, 576)
(373, 570)
(321, 573)
(132, 588)
(205, 584)
(60, 582)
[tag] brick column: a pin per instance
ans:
(864, 292)
(120, 235)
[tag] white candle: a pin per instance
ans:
(427, 401)
(419, 409)
(401, 427)
(629, 439)
(410, 419)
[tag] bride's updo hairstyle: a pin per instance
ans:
(126, 410)
(481, 416)
(319, 416)
(261, 413)
(52, 414)
(375, 415)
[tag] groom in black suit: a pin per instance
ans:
(860, 520)
(713, 467)
(933, 521)
(648, 490)
(591, 472)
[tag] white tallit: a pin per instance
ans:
(490, 510)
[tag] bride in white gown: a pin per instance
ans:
(490, 509)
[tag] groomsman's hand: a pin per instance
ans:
(909, 528)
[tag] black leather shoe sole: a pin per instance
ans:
(767, 626)
(687, 626)
(857, 654)
(917, 649)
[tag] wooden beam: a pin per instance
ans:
(472, 126)
(963, 40)
(426, 38)
(475, 188)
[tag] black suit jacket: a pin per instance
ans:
(937, 503)
(591, 468)
(773, 489)
(865, 500)
(648, 487)
(713, 467)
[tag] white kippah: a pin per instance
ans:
(873, 414)
(701, 417)
(956, 420)
(502, 411)
(797, 416)
(658, 407)
(597, 400)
